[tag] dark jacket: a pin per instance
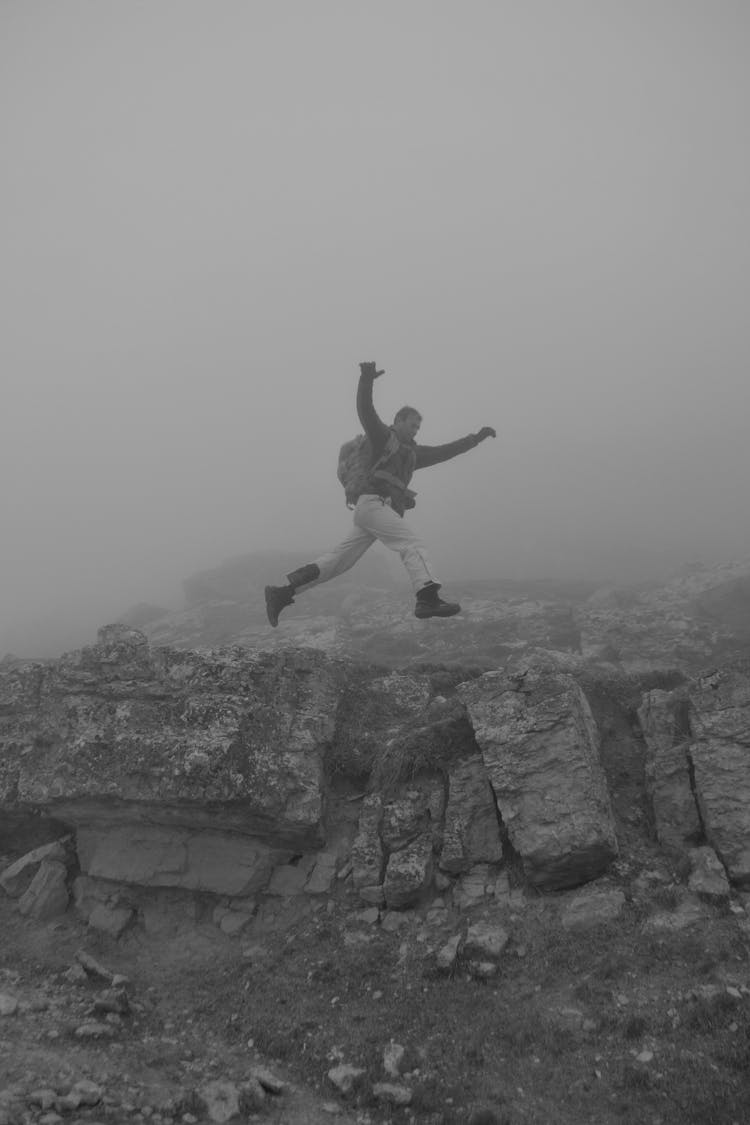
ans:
(392, 477)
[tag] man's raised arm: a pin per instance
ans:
(433, 454)
(374, 427)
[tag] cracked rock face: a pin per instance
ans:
(664, 719)
(215, 771)
(228, 863)
(539, 744)
(720, 758)
(120, 733)
(698, 773)
(409, 872)
(471, 820)
(222, 773)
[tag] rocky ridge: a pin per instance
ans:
(254, 777)
(235, 794)
(698, 617)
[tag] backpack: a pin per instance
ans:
(356, 463)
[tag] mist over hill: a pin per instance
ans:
(368, 612)
(698, 615)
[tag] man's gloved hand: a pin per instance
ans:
(367, 370)
(485, 432)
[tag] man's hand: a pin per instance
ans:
(485, 432)
(367, 371)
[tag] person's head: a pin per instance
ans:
(406, 423)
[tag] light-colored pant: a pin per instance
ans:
(374, 518)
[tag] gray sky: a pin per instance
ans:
(532, 213)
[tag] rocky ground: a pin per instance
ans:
(624, 1001)
(494, 997)
(347, 1016)
(698, 615)
(130, 1039)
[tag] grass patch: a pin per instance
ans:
(386, 743)
(555, 1036)
(708, 1014)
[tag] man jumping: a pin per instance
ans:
(380, 507)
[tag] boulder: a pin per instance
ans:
(414, 810)
(409, 873)
(118, 733)
(289, 879)
(368, 858)
(540, 748)
(171, 856)
(472, 832)
(322, 874)
(446, 956)
(591, 907)
(720, 757)
(485, 940)
(16, 878)
(480, 882)
(110, 920)
(664, 720)
(47, 894)
(708, 879)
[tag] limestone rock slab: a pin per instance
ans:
(722, 783)
(47, 894)
(540, 747)
(720, 705)
(159, 856)
(196, 736)
(592, 906)
(471, 833)
(708, 879)
(664, 721)
(720, 756)
(16, 877)
(482, 881)
(409, 873)
(412, 811)
(367, 856)
(322, 874)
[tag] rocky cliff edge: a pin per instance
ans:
(249, 776)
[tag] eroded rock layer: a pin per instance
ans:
(237, 774)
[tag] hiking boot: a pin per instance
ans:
(430, 604)
(277, 598)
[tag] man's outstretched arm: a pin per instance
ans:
(433, 454)
(374, 427)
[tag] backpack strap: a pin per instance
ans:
(391, 446)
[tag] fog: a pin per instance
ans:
(531, 213)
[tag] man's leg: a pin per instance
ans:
(379, 520)
(323, 569)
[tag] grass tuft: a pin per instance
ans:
(635, 1027)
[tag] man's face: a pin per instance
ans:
(407, 428)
